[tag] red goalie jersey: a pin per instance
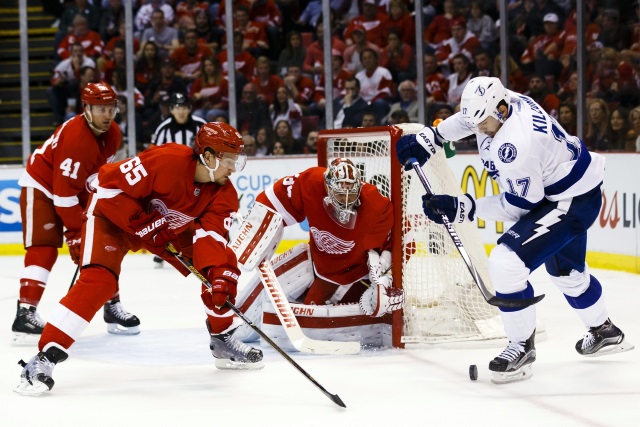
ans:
(161, 179)
(339, 254)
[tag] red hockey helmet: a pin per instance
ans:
(99, 94)
(223, 139)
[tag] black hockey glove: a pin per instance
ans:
(456, 209)
(421, 146)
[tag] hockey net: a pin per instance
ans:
(443, 303)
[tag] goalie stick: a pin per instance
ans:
(334, 397)
(488, 296)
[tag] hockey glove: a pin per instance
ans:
(224, 283)
(421, 146)
(73, 240)
(154, 231)
(456, 209)
(379, 300)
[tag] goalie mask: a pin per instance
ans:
(343, 183)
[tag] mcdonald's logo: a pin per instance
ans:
(479, 185)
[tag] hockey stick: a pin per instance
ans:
(73, 281)
(488, 296)
(290, 324)
(334, 397)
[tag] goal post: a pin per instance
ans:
(443, 303)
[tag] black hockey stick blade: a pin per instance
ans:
(488, 296)
(73, 280)
(334, 397)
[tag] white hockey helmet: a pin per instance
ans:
(481, 98)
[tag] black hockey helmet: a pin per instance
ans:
(179, 98)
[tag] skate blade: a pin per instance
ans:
(228, 364)
(33, 390)
(612, 349)
(115, 329)
(521, 374)
(22, 339)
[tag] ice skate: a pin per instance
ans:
(119, 321)
(231, 353)
(602, 340)
(35, 379)
(157, 262)
(27, 326)
(515, 362)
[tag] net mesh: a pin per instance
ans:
(443, 303)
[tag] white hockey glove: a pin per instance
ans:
(379, 300)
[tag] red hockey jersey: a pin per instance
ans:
(339, 254)
(162, 179)
(64, 165)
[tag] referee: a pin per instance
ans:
(182, 126)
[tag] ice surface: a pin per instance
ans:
(165, 376)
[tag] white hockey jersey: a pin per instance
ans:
(531, 157)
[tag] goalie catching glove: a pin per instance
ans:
(381, 297)
(456, 209)
(224, 283)
(420, 146)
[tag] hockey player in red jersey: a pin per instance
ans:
(55, 190)
(172, 193)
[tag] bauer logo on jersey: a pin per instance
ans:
(327, 242)
(507, 152)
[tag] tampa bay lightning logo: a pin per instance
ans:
(480, 91)
(507, 152)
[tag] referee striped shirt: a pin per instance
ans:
(172, 131)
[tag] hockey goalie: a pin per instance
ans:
(339, 285)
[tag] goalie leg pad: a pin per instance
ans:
(294, 270)
(258, 236)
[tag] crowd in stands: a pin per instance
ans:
(179, 46)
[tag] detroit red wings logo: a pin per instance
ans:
(174, 218)
(327, 242)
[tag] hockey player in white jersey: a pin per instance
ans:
(551, 190)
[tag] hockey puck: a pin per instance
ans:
(473, 372)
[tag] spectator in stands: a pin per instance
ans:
(284, 135)
(398, 57)
(402, 21)
(252, 113)
(72, 9)
(164, 36)
(309, 17)
(369, 119)
(483, 64)
(408, 101)
(292, 54)
(66, 74)
(620, 135)
(567, 117)
(163, 113)
(634, 119)
(268, 14)
(462, 41)
(186, 11)
(118, 60)
(90, 40)
(111, 17)
(245, 63)
(482, 26)
(255, 37)
(264, 141)
(266, 82)
(373, 20)
(604, 84)
(348, 110)
(311, 143)
(278, 149)
(614, 34)
(285, 108)
(300, 87)
(122, 120)
(207, 35)
(250, 147)
(353, 52)
(439, 29)
(597, 122)
(442, 111)
(436, 84)
(458, 79)
(340, 76)
(74, 102)
(543, 52)
(375, 83)
(167, 84)
(397, 117)
(314, 61)
(142, 19)
(209, 93)
(120, 87)
(540, 92)
(626, 91)
(188, 58)
(107, 52)
(147, 66)
(569, 91)
(517, 79)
